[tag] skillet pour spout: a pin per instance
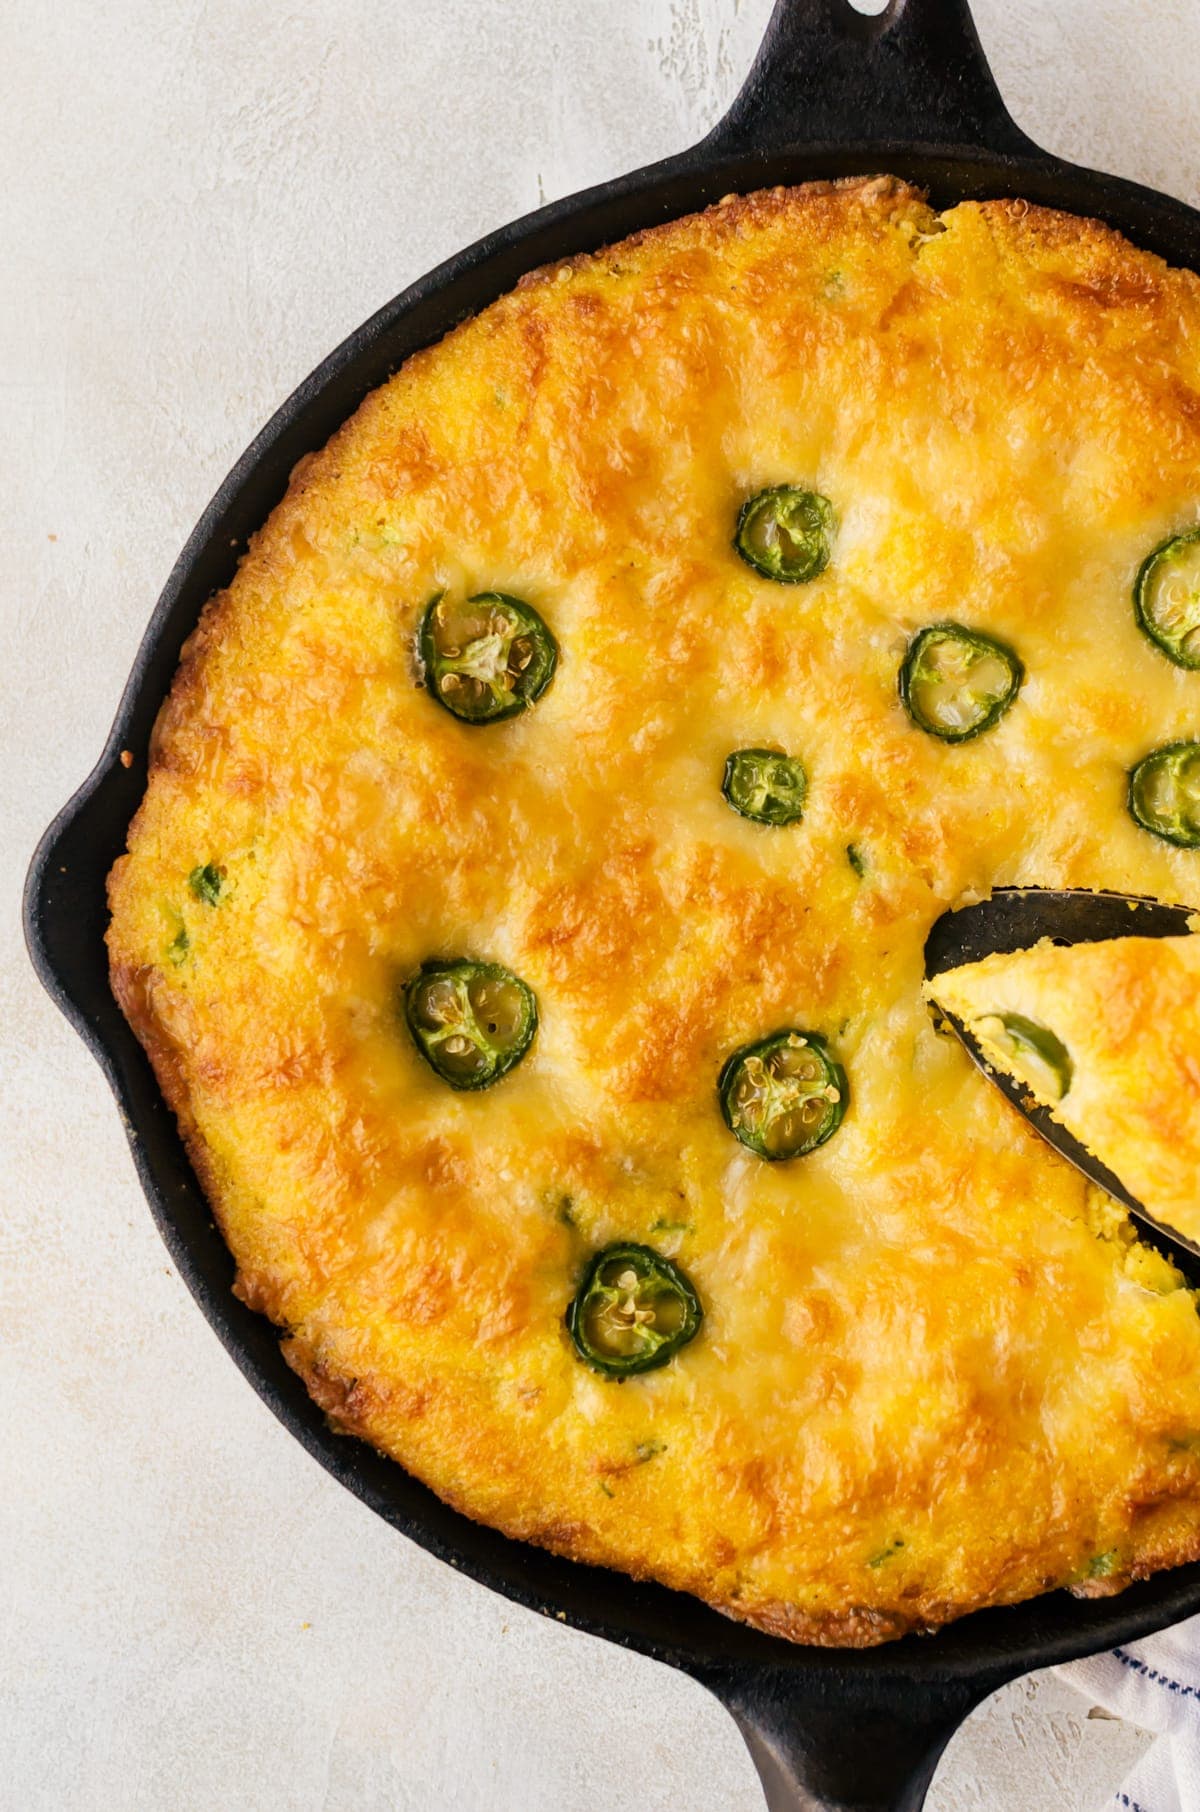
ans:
(833, 93)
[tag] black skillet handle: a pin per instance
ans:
(847, 1740)
(827, 74)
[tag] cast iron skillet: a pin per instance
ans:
(833, 93)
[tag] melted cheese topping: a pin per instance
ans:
(927, 1378)
(1128, 1012)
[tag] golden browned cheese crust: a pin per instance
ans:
(933, 1373)
(1127, 1011)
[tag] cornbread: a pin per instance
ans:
(929, 1369)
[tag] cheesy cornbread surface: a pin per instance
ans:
(934, 1371)
(1127, 1012)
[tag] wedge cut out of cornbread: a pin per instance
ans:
(1107, 1036)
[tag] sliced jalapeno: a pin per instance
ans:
(472, 1022)
(1166, 598)
(765, 785)
(633, 1311)
(1042, 1054)
(486, 657)
(956, 682)
(786, 533)
(784, 1095)
(1164, 793)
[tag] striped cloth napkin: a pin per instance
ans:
(1155, 1683)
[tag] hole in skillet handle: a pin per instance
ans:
(1016, 918)
(904, 73)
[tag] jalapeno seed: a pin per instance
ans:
(955, 682)
(783, 1095)
(1166, 598)
(485, 658)
(766, 785)
(786, 533)
(472, 1022)
(1164, 793)
(1042, 1054)
(633, 1311)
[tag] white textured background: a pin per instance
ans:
(198, 198)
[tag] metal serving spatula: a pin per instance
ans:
(1016, 918)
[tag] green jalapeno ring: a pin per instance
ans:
(786, 533)
(472, 1022)
(633, 1311)
(1166, 598)
(765, 785)
(783, 1095)
(485, 658)
(1164, 793)
(955, 682)
(1044, 1052)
